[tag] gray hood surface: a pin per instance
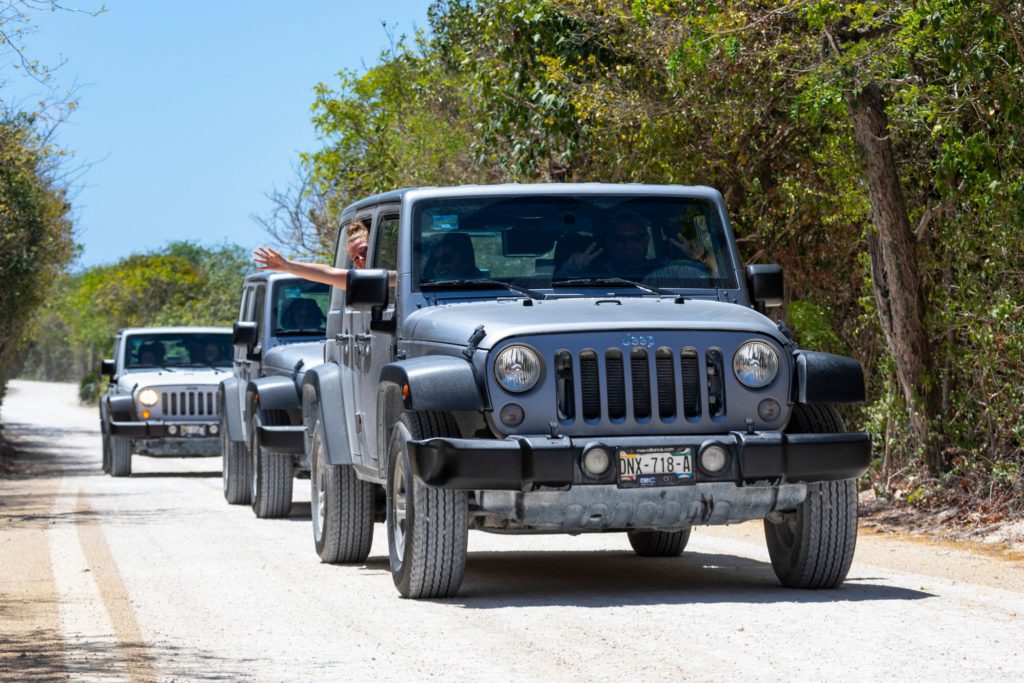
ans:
(504, 318)
(190, 376)
(284, 358)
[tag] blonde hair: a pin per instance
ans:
(357, 229)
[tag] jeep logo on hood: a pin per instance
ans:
(638, 340)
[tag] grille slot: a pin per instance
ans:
(641, 384)
(616, 384)
(690, 372)
(665, 372)
(564, 386)
(716, 387)
(590, 388)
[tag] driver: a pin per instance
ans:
(620, 252)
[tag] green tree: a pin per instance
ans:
(36, 241)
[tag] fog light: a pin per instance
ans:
(511, 414)
(713, 459)
(172, 429)
(769, 410)
(596, 461)
(214, 429)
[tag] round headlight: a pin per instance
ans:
(148, 397)
(756, 364)
(517, 368)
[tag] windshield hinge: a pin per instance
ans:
(474, 339)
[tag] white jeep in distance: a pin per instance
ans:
(163, 390)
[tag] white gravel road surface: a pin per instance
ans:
(155, 577)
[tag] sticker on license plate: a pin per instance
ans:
(193, 430)
(658, 466)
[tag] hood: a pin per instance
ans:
(163, 378)
(454, 323)
(286, 358)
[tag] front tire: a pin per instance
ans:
(659, 543)
(812, 546)
(428, 528)
(341, 507)
(236, 467)
(272, 474)
(120, 457)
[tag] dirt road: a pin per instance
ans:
(155, 577)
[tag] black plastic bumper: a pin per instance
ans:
(526, 463)
(282, 439)
(157, 429)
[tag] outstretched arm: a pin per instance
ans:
(268, 259)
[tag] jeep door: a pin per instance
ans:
(249, 366)
(373, 344)
(340, 344)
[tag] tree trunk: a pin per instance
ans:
(895, 274)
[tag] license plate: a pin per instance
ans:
(658, 466)
(193, 430)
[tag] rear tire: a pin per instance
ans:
(272, 474)
(659, 543)
(120, 456)
(428, 528)
(341, 506)
(236, 467)
(812, 547)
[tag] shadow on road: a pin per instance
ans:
(611, 578)
(176, 475)
(42, 655)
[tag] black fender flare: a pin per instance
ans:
(827, 378)
(435, 383)
(121, 407)
(275, 392)
(323, 384)
(232, 407)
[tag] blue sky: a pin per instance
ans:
(189, 111)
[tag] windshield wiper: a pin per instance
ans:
(609, 281)
(456, 284)
(315, 331)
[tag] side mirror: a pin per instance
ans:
(107, 368)
(244, 334)
(367, 288)
(766, 285)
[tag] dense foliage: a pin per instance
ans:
(36, 240)
(874, 149)
(179, 284)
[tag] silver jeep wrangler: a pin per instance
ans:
(163, 386)
(279, 333)
(567, 359)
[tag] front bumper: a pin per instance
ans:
(531, 463)
(159, 429)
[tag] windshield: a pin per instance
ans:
(572, 241)
(299, 307)
(178, 350)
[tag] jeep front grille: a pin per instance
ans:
(188, 403)
(654, 378)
